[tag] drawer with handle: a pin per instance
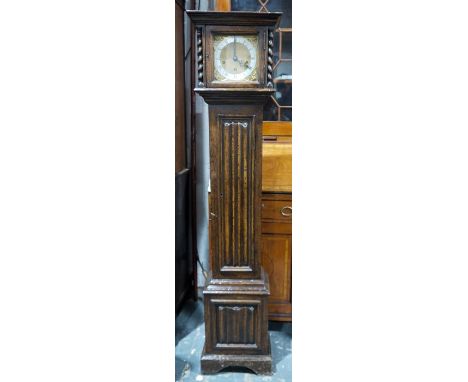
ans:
(279, 210)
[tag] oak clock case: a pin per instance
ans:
(234, 76)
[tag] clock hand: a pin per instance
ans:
(234, 57)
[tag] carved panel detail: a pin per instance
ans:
(238, 124)
(236, 325)
(236, 194)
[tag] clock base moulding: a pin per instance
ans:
(214, 363)
(236, 325)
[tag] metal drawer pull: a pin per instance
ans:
(283, 211)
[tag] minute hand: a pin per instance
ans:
(234, 57)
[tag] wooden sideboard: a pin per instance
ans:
(277, 217)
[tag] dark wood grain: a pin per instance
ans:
(235, 19)
(235, 205)
(236, 330)
(242, 96)
(237, 290)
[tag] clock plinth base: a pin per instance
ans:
(259, 364)
(236, 325)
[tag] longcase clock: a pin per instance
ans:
(234, 76)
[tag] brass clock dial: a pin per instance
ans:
(235, 57)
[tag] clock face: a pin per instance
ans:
(235, 57)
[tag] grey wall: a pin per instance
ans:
(203, 176)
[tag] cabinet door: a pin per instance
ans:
(276, 259)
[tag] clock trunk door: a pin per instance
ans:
(235, 174)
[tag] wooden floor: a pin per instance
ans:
(190, 335)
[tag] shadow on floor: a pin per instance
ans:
(189, 318)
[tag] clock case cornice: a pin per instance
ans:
(264, 19)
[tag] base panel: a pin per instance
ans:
(259, 364)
